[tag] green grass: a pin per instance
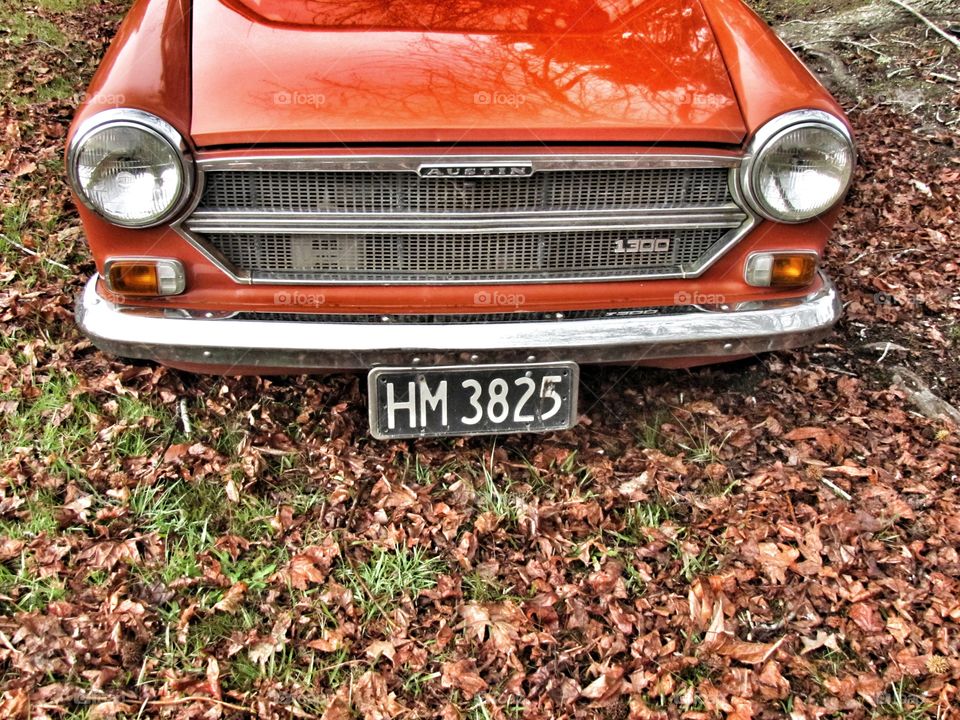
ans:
(189, 516)
(389, 575)
(901, 702)
(290, 667)
(701, 446)
(23, 23)
(692, 566)
(16, 217)
(254, 567)
(37, 517)
(423, 472)
(648, 435)
(478, 588)
(144, 428)
(179, 509)
(183, 508)
(495, 497)
(954, 334)
(24, 591)
(59, 423)
(641, 517)
(415, 684)
(484, 707)
(42, 224)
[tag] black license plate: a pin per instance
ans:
(467, 400)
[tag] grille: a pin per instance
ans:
(449, 257)
(271, 223)
(365, 192)
(465, 318)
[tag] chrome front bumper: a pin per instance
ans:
(301, 346)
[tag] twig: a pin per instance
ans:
(837, 489)
(201, 698)
(34, 253)
(917, 392)
(878, 251)
(51, 47)
(929, 23)
(6, 641)
(184, 418)
(808, 45)
(836, 370)
(884, 355)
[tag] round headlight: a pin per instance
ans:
(131, 167)
(799, 166)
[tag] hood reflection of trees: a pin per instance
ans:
(646, 60)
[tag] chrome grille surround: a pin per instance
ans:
(374, 220)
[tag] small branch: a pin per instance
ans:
(836, 370)
(51, 47)
(184, 418)
(883, 357)
(929, 23)
(920, 395)
(837, 489)
(34, 253)
(201, 698)
(807, 45)
(7, 643)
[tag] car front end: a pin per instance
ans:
(476, 203)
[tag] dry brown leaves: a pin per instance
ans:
(758, 592)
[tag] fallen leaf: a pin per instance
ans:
(605, 687)
(232, 599)
(462, 675)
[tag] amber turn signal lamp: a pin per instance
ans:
(782, 270)
(139, 277)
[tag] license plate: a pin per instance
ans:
(468, 400)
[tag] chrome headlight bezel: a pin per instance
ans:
(766, 139)
(151, 125)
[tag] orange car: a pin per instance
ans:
(468, 198)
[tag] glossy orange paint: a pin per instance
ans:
(767, 77)
(147, 65)
(629, 77)
(458, 71)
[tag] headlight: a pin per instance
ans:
(798, 166)
(131, 167)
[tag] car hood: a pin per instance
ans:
(269, 72)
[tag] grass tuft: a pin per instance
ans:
(389, 575)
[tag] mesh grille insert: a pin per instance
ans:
(476, 257)
(393, 192)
